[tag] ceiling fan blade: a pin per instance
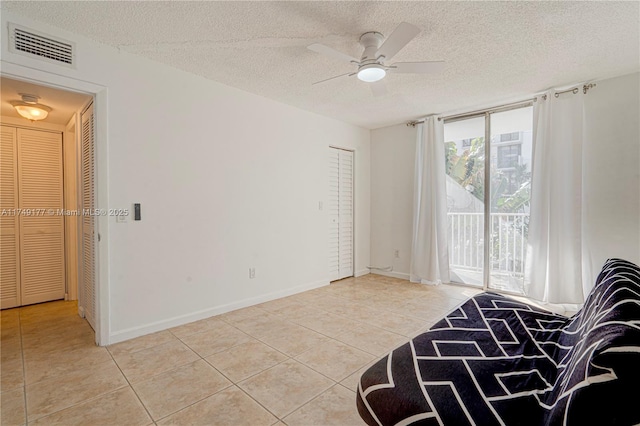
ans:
(417, 67)
(398, 39)
(330, 51)
(331, 78)
(378, 88)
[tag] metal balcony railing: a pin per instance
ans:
(508, 242)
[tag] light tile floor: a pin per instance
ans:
(293, 361)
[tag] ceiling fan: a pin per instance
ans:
(372, 67)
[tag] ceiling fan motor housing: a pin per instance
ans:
(371, 42)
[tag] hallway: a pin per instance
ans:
(42, 343)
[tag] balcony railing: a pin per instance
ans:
(507, 245)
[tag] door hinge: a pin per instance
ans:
(98, 237)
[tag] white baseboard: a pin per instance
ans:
(393, 274)
(130, 333)
(361, 272)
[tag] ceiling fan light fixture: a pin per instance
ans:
(371, 73)
(30, 109)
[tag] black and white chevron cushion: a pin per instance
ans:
(497, 361)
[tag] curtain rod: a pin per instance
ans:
(505, 107)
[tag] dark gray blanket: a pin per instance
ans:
(498, 361)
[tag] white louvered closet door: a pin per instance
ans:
(340, 214)
(9, 235)
(334, 214)
(88, 274)
(42, 262)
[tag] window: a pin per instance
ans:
(507, 137)
(488, 221)
(509, 155)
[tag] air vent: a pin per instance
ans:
(32, 43)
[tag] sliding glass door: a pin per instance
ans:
(511, 151)
(488, 164)
(465, 166)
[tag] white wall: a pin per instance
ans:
(392, 163)
(227, 181)
(611, 185)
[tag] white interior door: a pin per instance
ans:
(40, 196)
(334, 214)
(340, 214)
(9, 235)
(88, 222)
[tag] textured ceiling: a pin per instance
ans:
(494, 51)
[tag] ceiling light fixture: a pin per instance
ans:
(371, 73)
(30, 109)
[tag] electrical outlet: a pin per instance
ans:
(396, 254)
(252, 272)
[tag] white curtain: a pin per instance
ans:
(430, 253)
(554, 267)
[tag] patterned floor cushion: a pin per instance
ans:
(496, 361)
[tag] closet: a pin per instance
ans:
(32, 266)
(340, 213)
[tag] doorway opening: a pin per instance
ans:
(44, 180)
(488, 185)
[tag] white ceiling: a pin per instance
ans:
(494, 51)
(63, 104)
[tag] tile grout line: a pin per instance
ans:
(258, 402)
(130, 386)
(233, 384)
(314, 398)
(277, 312)
(252, 375)
(293, 357)
(24, 368)
(237, 384)
(289, 357)
(335, 338)
(54, 378)
(93, 398)
(340, 297)
(306, 365)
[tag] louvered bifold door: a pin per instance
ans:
(340, 214)
(334, 214)
(41, 224)
(9, 240)
(88, 280)
(346, 214)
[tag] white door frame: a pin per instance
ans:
(99, 92)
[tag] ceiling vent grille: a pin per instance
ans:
(32, 43)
